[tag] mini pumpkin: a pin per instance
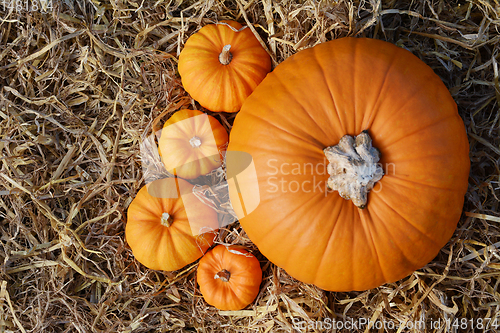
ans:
(329, 124)
(168, 227)
(192, 143)
(229, 277)
(221, 65)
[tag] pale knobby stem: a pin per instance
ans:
(225, 56)
(166, 220)
(224, 275)
(195, 142)
(353, 168)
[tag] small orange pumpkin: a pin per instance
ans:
(191, 143)
(168, 227)
(229, 277)
(222, 64)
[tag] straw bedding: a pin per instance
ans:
(81, 83)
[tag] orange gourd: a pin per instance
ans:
(229, 277)
(168, 227)
(222, 64)
(410, 148)
(191, 143)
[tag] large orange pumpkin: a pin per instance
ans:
(222, 64)
(303, 110)
(168, 227)
(191, 143)
(229, 277)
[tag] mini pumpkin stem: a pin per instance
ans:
(224, 275)
(166, 220)
(225, 56)
(353, 167)
(195, 142)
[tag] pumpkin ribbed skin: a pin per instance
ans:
(243, 284)
(170, 248)
(178, 154)
(308, 103)
(219, 87)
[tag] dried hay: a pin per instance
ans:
(81, 81)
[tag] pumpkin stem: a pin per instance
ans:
(195, 142)
(166, 220)
(353, 167)
(225, 56)
(224, 275)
